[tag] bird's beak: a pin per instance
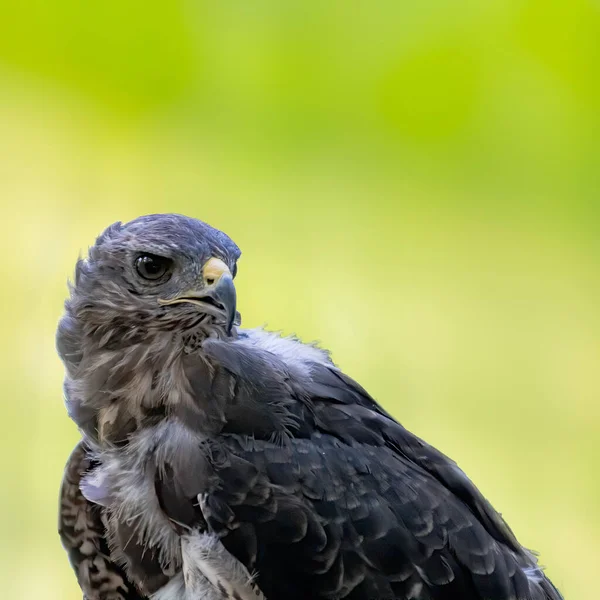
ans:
(225, 294)
(217, 296)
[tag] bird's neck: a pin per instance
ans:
(113, 389)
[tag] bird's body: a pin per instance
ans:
(239, 463)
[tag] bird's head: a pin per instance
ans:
(157, 273)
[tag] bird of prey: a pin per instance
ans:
(219, 462)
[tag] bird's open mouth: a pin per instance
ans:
(201, 301)
(206, 300)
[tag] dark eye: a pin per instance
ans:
(152, 267)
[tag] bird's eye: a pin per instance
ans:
(152, 267)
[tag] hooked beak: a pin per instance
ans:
(218, 295)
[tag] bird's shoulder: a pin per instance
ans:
(319, 401)
(346, 485)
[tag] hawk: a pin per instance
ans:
(219, 462)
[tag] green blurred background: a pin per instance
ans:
(414, 184)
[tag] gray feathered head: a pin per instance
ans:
(149, 290)
(158, 272)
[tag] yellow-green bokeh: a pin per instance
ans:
(414, 184)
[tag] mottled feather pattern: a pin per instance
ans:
(83, 535)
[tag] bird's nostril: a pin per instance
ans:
(210, 280)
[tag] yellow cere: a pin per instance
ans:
(214, 269)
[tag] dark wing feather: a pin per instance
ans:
(416, 450)
(83, 536)
(342, 525)
(347, 503)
